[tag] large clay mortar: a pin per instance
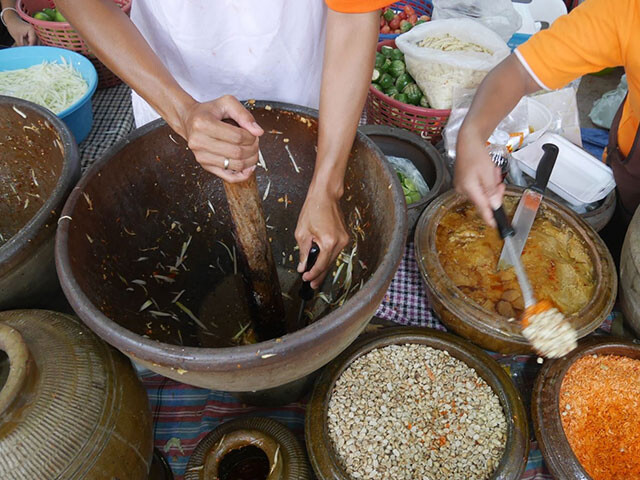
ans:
(149, 192)
(39, 165)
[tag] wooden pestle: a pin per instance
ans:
(256, 259)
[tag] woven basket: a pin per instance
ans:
(384, 110)
(422, 7)
(63, 35)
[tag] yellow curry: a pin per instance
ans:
(554, 257)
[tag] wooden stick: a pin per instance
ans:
(260, 275)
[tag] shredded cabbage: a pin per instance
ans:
(53, 85)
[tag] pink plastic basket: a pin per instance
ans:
(384, 110)
(63, 35)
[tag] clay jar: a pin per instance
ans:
(250, 448)
(71, 407)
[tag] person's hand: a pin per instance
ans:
(321, 221)
(21, 32)
(477, 177)
(214, 141)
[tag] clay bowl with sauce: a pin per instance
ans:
(472, 311)
(148, 228)
(39, 165)
(552, 440)
(322, 453)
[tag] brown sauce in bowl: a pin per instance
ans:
(555, 258)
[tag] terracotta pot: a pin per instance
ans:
(151, 181)
(261, 445)
(630, 275)
(39, 165)
(71, 407)
(319, 447)
(553, 443)
(402, 143)
(491, 331)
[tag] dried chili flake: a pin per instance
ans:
(599, 404)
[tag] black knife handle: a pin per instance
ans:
(504, 226)
(545, 167)
(306, 292)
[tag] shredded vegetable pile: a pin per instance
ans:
(55, 86)
(449, 43)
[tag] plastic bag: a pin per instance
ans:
(605, 108)
(515, 124)
(497, 15)
(407, 170)
(563, 105)
(439, 72)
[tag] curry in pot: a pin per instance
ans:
(555, 259)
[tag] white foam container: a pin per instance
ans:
(578, 177)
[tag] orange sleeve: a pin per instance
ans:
(593, 36)
(356, 6)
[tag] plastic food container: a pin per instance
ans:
(79, 116)
(577, 177)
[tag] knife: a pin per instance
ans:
(508, 235)
(306, 292)
(529, 204)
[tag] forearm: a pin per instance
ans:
(348, 63)
(119, 45)
(498, 94)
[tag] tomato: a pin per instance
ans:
(402, 15)
(395, 23)
(408, 9)
(385, 29)
(383, 22)
(397, 30)
(413, 19)
(424, 18)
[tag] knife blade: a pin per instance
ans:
(528, 206)
(507, 233)
(306, 292)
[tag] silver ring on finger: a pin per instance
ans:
(226, 163)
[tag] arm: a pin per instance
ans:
(21, 31)
(476, 176)
(348, 63)
(120, 46)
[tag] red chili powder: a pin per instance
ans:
(600, 412)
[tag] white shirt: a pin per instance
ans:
(260, 49)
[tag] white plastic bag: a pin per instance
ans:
(605, 108)
(515, 124)
(498, 15)
(563, 105)
(439, 72)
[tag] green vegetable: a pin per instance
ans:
(388, 15)
(405, 26)
(420, 21)
(413, 93)
(386, 50)
(377, 87)
(397, 68)
(385, 66)
(401, 97)
(391, 91)
(402, 81)
(379, 59)
(409, 188)
(58, 17)
(396, 54)
(385, 81)
(423, 102)
(376, 75)
(50, 12)
(43, 16)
